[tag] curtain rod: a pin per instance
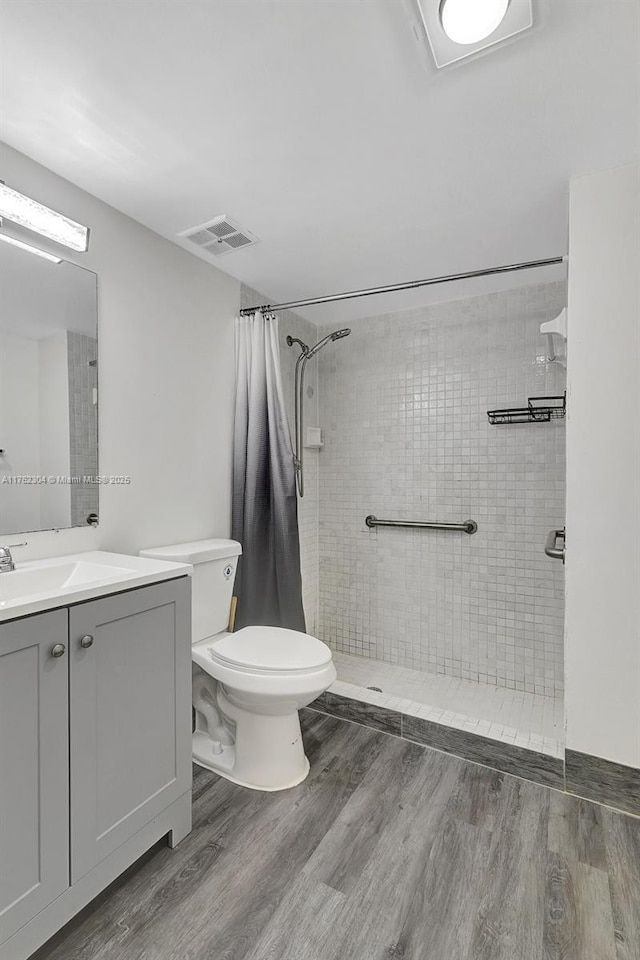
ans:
(411, 285)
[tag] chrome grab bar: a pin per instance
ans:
(469, 526)
(550, 546)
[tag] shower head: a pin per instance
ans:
(336, 335)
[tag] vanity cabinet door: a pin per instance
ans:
(34, 766)
(130, 714)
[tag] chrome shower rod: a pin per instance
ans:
(411, 285)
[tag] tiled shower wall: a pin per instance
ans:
(403, 404)
(291, 323)
(83, 424)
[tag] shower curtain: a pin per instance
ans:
(265, 508)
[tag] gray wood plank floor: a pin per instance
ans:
(388, 851)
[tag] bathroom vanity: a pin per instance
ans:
(95, 731)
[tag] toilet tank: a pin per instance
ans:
(214, 572)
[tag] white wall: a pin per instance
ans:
(165, 377)
(53, 419)
(603, 468)
(19, 431)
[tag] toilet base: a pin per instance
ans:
(223, 763)
(267, 753)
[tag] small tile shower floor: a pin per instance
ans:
(512, 716)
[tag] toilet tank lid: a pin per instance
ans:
(196, 551)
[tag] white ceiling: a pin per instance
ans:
(323, 127)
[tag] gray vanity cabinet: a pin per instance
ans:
(95, 751)
(130, 675)
(34, 769)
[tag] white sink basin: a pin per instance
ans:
(26, 582)
(45, 584)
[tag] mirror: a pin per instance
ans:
(48, 394)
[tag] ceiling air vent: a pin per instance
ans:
(218, 236)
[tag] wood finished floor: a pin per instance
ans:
(388, 850)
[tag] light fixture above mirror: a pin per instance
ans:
(28, 213)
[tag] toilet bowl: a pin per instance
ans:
(247, 686)
(258, 678)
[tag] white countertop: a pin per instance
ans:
(39, 585)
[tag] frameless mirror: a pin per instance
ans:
(48, 394)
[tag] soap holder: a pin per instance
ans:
(313, 438)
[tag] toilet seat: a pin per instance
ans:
(288, 664)
(268, 650)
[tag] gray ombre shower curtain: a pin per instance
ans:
(265, 508)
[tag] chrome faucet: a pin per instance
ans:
(6, 560)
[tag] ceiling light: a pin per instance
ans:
(48, 223)
(463, 29)
(29, 248)
(469, 21)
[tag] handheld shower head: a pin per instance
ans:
(336, 335)
(303, 357)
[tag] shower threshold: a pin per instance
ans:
(515, 717)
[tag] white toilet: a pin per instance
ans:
(247, 686)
